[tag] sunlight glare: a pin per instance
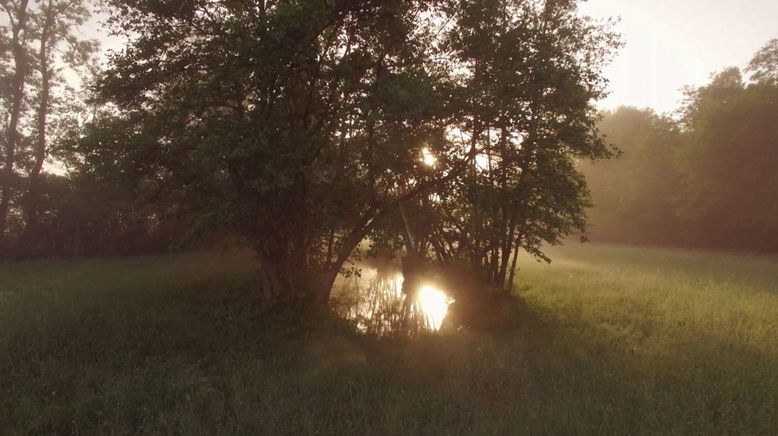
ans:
(482, 162)
(428, 158)
(398, 285)
(434, 304)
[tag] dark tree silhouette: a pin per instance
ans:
(303, 126)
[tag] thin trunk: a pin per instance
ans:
(516, 248)
(505, 252)
(271, 284)
(508, 216)
(440, 250)
(410, 245)
(33, 193)
(19, 32)
(330, 245)
(495, 264)
(371, 126)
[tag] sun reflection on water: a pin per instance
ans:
(434, 305)
(379, 305)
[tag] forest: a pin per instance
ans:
(704, 177)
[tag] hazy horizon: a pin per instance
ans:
(670, 44)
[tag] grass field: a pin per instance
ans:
(612, 340)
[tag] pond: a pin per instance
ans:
(374, 301)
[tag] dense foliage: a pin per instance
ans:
(448, 130)
(708, 179)
(636, 195)
(42, 54)
(306, 126)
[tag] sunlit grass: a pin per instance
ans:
(612, 340)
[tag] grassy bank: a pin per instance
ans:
(612, 340)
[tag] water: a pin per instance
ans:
(374, 301)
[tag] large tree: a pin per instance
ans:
(19, 26)
(46, 57)
(304, 125)
(729, 164)
(525, 106)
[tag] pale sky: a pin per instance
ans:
(669, 44)
(674, 43)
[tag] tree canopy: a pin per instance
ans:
(305, 126)
(40, 47)
(705, 179)
(457, 132)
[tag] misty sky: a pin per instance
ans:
(673, 43)
(669, 44)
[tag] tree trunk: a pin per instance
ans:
(322, 294)
(516, 248)
(505, 252)
(33, 193)
(19, 32)
(272, 286)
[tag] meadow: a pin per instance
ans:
(610, 340)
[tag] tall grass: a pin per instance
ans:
(612, 340)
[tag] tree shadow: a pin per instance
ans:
(205, 357)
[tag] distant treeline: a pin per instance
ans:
(706, 177)
(78, 216)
